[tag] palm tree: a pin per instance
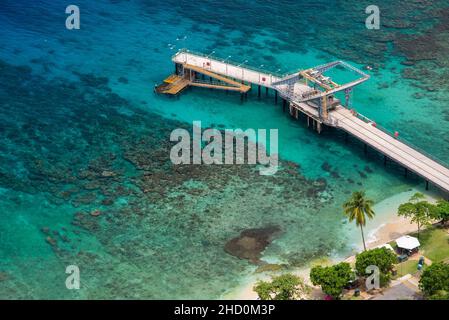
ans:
(358, 208)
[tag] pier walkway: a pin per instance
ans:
(313, 94)
(223, 68)
(399, 151)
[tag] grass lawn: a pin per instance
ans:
(434, 243)
(406, 267)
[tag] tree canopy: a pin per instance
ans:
(382, 258)
(434, 282)
(283, 287)
(418, 211)
(358, 208)
(442, 211)
(332, 279)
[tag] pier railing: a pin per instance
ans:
(406, 142)
(233, 63)
(216, 83)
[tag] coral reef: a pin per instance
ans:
(251, 243)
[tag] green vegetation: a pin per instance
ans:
(332, 279)
(442, 211)
(434, 240)
(434, 281)
(407, 267)
(359, 208)
(435, 244)
(382, 258)
(419, 211)
(284, 287)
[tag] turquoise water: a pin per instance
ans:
(75, 104)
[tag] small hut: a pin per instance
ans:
(408, 244)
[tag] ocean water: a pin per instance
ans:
(81, 130)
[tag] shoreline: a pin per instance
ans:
(395, 226)
(385, 227)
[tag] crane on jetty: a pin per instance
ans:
(311, 93)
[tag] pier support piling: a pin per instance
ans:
(319, 106)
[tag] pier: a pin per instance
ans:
(311, 93)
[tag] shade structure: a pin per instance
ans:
(408, 242)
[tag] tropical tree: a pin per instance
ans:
(383, 258)
(434, 282)
(442, 211)
(417, 197)
(332, 279)
(284, 287)
(359, 208)
(418, 211)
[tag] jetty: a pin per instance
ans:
(310, 93)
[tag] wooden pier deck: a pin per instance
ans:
(306, 100)
(173, 85)
(396, 150)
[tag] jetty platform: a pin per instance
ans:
(311, 93)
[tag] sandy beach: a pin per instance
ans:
(245, 291)
(385, 227)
